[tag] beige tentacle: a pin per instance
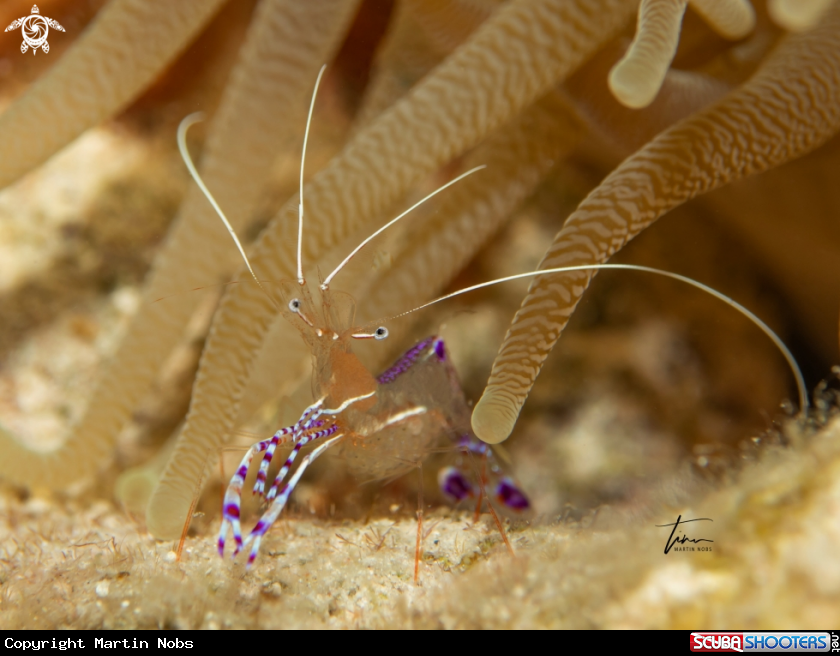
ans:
(448, 23)
(797, 15)
(119, 55)
(637, 78)
(414, 45)
(512, 59)
(431, 253)
(288, 42)
(732, 19)
(789, 107)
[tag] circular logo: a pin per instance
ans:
(35, 30)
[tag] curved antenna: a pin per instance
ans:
(302, 160)
(326, 283)
(183, 126)
(794, 367)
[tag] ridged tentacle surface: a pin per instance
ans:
(431, 254)
(119, 55)
(637, 77)
(288, 41)
(448, 23)
(732, 19)
(789, 107)
(407, 53)
(511, 60)
(635, 80)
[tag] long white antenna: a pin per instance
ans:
(344, 262)
(797, 374)
(185, 125)
(302, 160)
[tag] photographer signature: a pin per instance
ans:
(683, 539)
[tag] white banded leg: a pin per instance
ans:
(231, 507)
(312, 422)
(306, 421)
(301, 442)
(276, 508)
(233, 497)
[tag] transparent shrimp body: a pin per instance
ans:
(383, 426)
(379, 426)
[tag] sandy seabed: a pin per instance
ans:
(774, 562)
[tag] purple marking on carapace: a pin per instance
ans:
(440, 350)
(404, 363)
(511, 496)
(454, 484)
(232, 510)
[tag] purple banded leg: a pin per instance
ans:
(271, 515)
(308, 421)
(302, 441)
(233, 498)
(508, 493)
(454, 484)
(304, 423)
(259, 485)
(297, 429)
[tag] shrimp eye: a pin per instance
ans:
(294, 305)
(380, 333)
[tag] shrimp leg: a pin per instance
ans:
(506, 491)
(233, 496)
(308, 421)
(302, 441)
(276, 508)
(305, 422)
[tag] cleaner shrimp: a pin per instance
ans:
(382, 426)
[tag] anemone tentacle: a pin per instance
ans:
(791, 106)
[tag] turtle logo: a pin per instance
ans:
(35, 29)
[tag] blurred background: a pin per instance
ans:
(651, 382)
